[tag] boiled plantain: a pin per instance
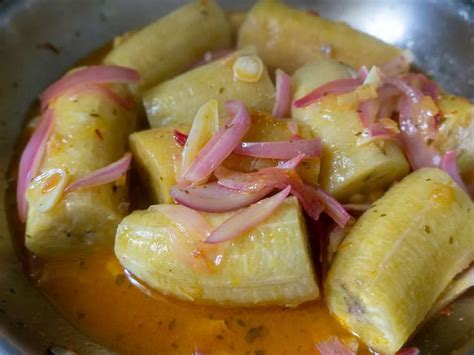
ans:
(399, 257)
(347, 167)
(270, 265)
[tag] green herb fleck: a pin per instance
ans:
(172, 324)
(241, 323)
(427, 229)
(254, 333)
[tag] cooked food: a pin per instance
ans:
(248, 271)
(158, 152)
(288, 38)
(399, 257)
(353, 165)
(158, 55)
(70, 205)
(271, 152)
(235, 77)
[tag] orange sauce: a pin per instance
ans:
(95, 295)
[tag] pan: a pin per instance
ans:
(40, 39)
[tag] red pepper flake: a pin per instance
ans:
(446, 311)
(99, 135)
(180, 137)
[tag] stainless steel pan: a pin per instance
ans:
(40, 39)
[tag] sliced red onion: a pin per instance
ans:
(127, 102)
(450, 165)
(275, 178)
(283, 94)
(293, 127)
(333, 346)
(332, 207)
(408, 351)
(419, 153)
(248, 218)
(386, 95)
(187, 220)
(216, 198)
(368, 112)
(427, 86)
(220, 146)
(292, 163)
(414, 94)
(340, 86)
(250, 182)
(103, 175)
(96, 74)
(313, 199)
(31, 159)
(380, 130)
(180, 137)
(281, 149)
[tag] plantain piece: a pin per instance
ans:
(350, 169)
(157, 158)
(178, 100)
(158, 54)
(399, 257)
(88, 133)
(288, 38)
(157, 154)
(457, 132)
(270, 265)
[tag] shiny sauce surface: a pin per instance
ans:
(96, 295)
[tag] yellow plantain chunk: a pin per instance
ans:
(89, 132)
(156, 156)
(288, 38)
(269, 265)
(349, 167)
(173, 43)
(399, 257)
(178, 99)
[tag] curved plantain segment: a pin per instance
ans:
(399, 257)
(288, 38)
(177, 100)
(270, 265)
(88, 133)
(170, 45)
(347, 166)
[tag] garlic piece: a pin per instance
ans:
(248, 68)
(46, 189)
